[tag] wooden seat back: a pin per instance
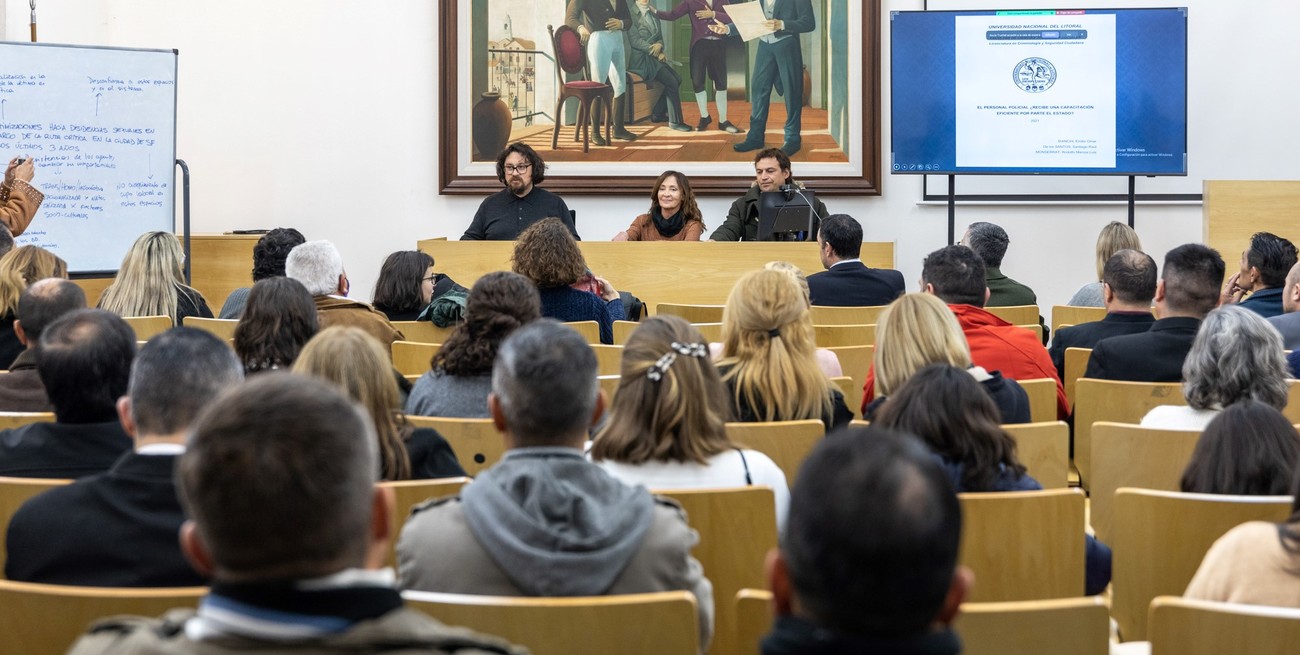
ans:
(1061, 626)
(475, 441)
(1076, 363)
(409, 493)
(786, 442)
(753, 618)
(223, 328)
(1074, 315)
(1024, 545)
(1117, 402)
(1044, 449)
(692, 313)
(145, 327)
(623, 330)
(1183, 626)
(1042, 398)
(1025, 315)
(835, 336)
(590, 330)
(855, 361)
(10, 420)
(423, 331)
(1125, 455)
(822, 315)
(609, 359)
(13, 493)
(412, 358)
(41, 619)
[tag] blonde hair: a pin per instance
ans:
(1115, 237)
(150, 280)
(22, 266)
(916, 330)
(357, 364)
(769, 356)
(794, 272)
(681, 417)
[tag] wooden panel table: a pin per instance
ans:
(699, 273)
(221, 263)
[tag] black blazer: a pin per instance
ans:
(1153, 356)
(853, 284)
(1087, 335)
(62, 450)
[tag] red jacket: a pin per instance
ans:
(997, 345)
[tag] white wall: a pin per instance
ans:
(321, 114)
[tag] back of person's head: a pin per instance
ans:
(915, 330)
(44, 302)
(1237, 355)
(150, 279)
(398, 288)
(6, 240)
(1115, 237)
(23, 266)
(989, 241)
(844, 235)
(1193, 275)
(768, 348)
(175, 375)
(547, 254)
(317, 265)
(544, 387)
(279, 481)
(956, 274)
(794, 272)
(272, 249)
(870, 548)
(85, 364)
(671, 404)
(956, 418)
(1131, 275)
(498, 304)
(358, 364)
(279, 317)
(1249, 449)
(1273, 256)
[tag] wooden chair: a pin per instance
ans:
(222, 327)
(146, 327)
(1035, 328)
(41, 619)
(846, 315)
(1062, 626)
(423, 331)
(609, 384)
(712, 332)
(1025, 315)
(1074, 315)
(692, 313)
(1044, 449)
(571, 58)
(1125, 455)
(1159, 539)
(834, 336)
(13, 493)
(1042, 398)
(786, 442)
(412, 358)
(1182, 626)
(609, 359)
(1076, 364)
(475, 441)
(1024, 545)
(753, 618)
(409, 493)
(10, 420)
(633, 624)
(855, 361)
(590, 330)
(622, 330)
(1118, 402)
(737, 527)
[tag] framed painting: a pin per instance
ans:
(666, 84)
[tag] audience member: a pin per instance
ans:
(1259, 284)
(1115, 237)
(1188, 289)
(460, 374)
(768, 360)
(667, 424)
(547, 254)
(19, 268)
(868, 563)
(21, 390)
(504, 215)
(84, 363)
(826, 358)
(1249, 449)
(19, 200)
(351, 359)
(975, 451)
(319, 267)
(847, 282)
(544, 521)
(131, 509)
(1236, 356)
(917, 330)
(268, 261)
(771, 173)
(990, 242)
(151, 282)
(278, 319)
(674, 214)
(1128, 285)
(1288, 322)
(293, 536)
(405, 285)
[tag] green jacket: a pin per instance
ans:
(1006, 292)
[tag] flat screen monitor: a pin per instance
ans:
(787, 215)
(1081, 91)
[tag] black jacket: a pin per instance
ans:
(1153, 356)
(854, 284)
(1087, 335)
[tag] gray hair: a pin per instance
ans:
(545, 381)
(989, 241)
(1237, 355)
(317, 265)
(175, 375)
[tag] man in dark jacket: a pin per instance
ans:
(41, 304)
(847, 282)
(771, 173)
(648, 59)
(1128, 285)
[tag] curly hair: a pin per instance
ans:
(534, 160)
(498, 303)
(271, 251)
(547, 254)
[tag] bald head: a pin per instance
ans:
(43, 303)
(1291, 290)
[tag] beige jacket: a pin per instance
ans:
(18, 204)
(333, 310)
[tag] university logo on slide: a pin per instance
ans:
(1034, 75)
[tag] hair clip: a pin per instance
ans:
(691, 349)
(656, 372)
(774, 332)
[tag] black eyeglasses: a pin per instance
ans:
(511, 168)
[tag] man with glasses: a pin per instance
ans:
(506, 213)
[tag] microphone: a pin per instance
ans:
(788, 189)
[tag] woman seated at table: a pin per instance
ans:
(547, 254)
(674, 214)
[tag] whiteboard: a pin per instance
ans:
(100, 124)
